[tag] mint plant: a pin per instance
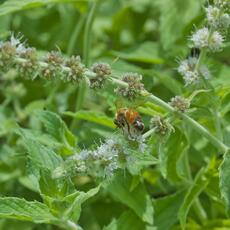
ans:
(98, 136)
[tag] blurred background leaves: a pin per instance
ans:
(143, 36)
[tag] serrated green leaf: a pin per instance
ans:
(55, 188)
(20, 209)
(93, 116)
(77, 199)
(42, 157)
(199, 184)
(56, 127)
(137, 199)
(147, 52)
(11, 6)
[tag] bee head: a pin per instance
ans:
(139, 125)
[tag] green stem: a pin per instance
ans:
(88, 30)
(209, 86)
(218, 124)
(72, 226)
(148, 133)
(204, 132)
(86, 49)
(200, 212)
(194, 124)
(75, 35)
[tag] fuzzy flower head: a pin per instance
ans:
(113, 154)
(53, 69)
(181, 104)
(161, 126)
(202, 38)
(101, 162)
(191, 75)
(14, 41)
(187, 70)
(76, 73)
(223, 4)
(224, 21)
(213, 15)
(54, 58)
(134, 88)
(217, 18)
(8, 51)
(29, 67)
(216, 41)
(102, 71)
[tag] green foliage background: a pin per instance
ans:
(143, 36)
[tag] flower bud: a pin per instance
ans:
(102, 70)
(7, 55)
(202, 38)
(134, 88)
(28, 68)
(191, 75)
(161, 126)
(76, 73)
(53, 70)
(181, 104)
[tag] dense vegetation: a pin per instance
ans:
(114, 114)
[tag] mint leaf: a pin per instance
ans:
(20, 209)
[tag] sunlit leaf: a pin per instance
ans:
(20, 209)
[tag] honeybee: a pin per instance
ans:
(130, 122)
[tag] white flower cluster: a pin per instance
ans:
(210, 37)
(187, 70)
(16, 42)
(216, 17)
(113, 154)
(204, 38)
(191, 75)
(101, 162)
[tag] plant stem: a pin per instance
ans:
(75, 35)
(87, 32)
(208, 85)
(200, 212)
(148, 133)
(86, 47)
(194, 124)
(72, 226)
(82, 89)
